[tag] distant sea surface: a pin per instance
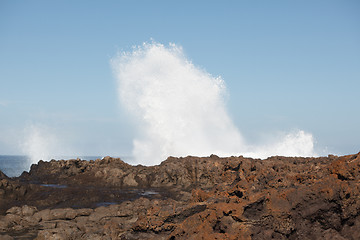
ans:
(14, 165)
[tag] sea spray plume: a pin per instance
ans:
(39, 143)
(296, 143)
(180, 108)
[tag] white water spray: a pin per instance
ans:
(39, 143)
(180, 109)
(296, 143)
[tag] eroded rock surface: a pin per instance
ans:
(185, 198)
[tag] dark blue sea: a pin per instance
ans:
(14, 165)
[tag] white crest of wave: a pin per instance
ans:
(180, 108)
(39, 143)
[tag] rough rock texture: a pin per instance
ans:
(185, 198)
(2, 175)
(183, 173)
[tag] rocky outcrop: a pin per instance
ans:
(187, 198)
(3, 176)
(186, 172)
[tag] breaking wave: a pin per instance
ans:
(179, 109)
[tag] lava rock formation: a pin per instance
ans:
(185, 198)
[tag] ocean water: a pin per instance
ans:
(14, 165)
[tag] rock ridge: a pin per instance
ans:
(185, 198)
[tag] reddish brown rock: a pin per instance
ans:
(2, 175)
(186, 198)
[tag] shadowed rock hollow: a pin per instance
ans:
(185, 198)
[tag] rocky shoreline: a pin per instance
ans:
(185, 198)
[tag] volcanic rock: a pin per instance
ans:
(185, 198)
(3, 175)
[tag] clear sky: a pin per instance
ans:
(286, 64)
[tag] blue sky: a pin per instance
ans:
(286, 64)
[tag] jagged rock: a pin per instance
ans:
(186, 198)
(3, 175)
